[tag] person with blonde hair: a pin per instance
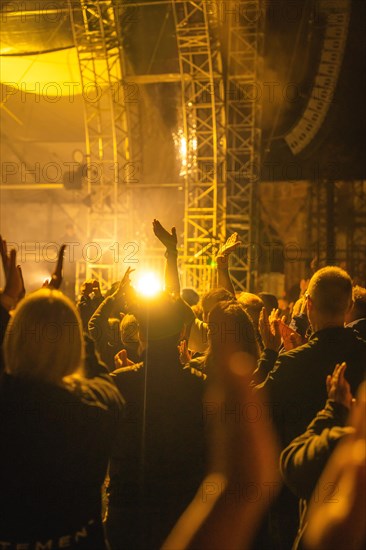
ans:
(44, 339)
(57, 428)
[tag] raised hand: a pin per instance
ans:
(89, 286)
(269, 329)
(274, 316)
(56, 279)
(121, 360)
(169, 240)
(185, 354)
(294, 341)
(231, 244)
(124, 284)
(14, 284)
(338, 521)
(338, 388)
(96, 288)
(14, 287)
(5, 258)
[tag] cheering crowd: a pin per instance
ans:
(215, 422)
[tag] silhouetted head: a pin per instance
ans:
(160, 320)
(190, 296)
(329, 297)
(359, 304)
(44, 338)
(213, 297)
(231, 330)
(253, 306)
(270, 301)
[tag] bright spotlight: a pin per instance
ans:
(148, 284)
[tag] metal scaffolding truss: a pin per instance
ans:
(338, 236)
(243, 119)
(203, 121)
(356, 248)
(98, 44)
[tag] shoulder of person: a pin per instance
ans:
(100, 391)
(297, 353)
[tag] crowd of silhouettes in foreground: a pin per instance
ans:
(213, 422)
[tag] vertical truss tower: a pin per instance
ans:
(337, 225)
(356, 235)
(244, 43)
(96, 35)
(203, 114)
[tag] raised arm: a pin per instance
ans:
(99, 328)
(14, 289)
(222, 260)
(169, 240)
(269, 330)
(89, 300)
(57, 276)
(304, 459)
(338, 521)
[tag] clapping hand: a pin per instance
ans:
(269, 329)
(185, 354)
(231, 244)
(121, 360)
(14, 285)
(90, 286)
(222, 257)
(124, 285)
(5, 257)
(56, 279)
(338, 388)
(338, 521)
(169, 240)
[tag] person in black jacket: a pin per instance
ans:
(295, 385)
(304, 459)
(57, 429)
(156, 470)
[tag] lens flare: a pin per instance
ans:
(149, 284)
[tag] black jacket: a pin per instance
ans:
(303, 461)
(295, 390)
(55, 445)
(359, 326)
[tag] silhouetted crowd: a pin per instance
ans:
(180, 421)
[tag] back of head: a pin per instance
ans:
(190, 296)
(159, 319)
(253, 305)
(213, 297)
(298, 306)
(129, 329)
(44, 339)
(330, 290)
(270, 301)
(231, 330)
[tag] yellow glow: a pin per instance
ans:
(186, 151)
(149, 284)
(183, 148)
(49, 74)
